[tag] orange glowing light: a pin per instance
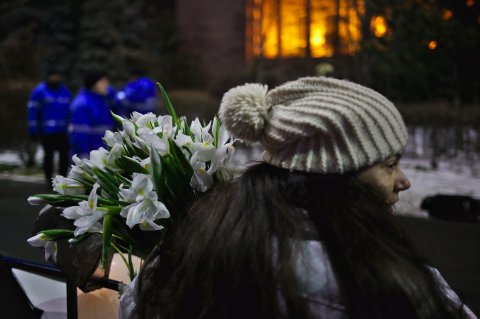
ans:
(470, 3)
(432, 45)
(300, 28)
(447, 14)
(379, 26)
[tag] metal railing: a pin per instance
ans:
(54, 272)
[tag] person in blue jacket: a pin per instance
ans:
(48, 115)
(113, 102)
(90, 114)
(140, 94)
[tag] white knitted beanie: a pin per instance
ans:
(316, 124)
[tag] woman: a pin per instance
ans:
(308, 233)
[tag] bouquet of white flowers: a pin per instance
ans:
(143, 180)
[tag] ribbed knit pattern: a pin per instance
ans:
(322, 125)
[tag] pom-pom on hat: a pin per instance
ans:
(316, 124)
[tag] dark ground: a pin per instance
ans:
(453, 248)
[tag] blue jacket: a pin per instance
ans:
(113, 102)
(90, 119)
(139, 95)
(48, 109)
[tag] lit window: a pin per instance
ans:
(303, 28)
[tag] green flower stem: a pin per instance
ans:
(133, 273)
(69, 200)
(217, 129)
(114, 210)
(107, 239)
(128, 263)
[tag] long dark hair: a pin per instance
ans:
(219, 262)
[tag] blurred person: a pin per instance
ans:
(90, 114)
(48, 116)
(139, 94)
(113, 102)
(308, 232)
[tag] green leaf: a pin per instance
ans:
(178, 184)
(117, 118)
(107, 182)
(158, 177)
(119, 178)
(131, 165)
(183, 163)
(168, 105)
(73, 200)
(187, 127)
(57, 234)
(129, 147)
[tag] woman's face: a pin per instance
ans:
(386, 176)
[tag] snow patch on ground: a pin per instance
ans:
(457, 176)
(450, 178)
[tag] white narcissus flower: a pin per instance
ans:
(224, 151)
(158, 143)
(146, 120)
(204, 150)
(113, 138)
(206, 136)
(203, 141)
(67, 186)
(76, 173)
(40, 240)
(114, 154)
(98, 157)
(81, 163)
(222, 154)
(196, 129)
(32, 200)
(135, 116)
(184, 140)
(140, 143)
(87, 214)
(200, 133)
(201, 179)
(80, 171)
(145, 213)
(146, 163)
(145, 208)
(166, 123)
(129, 128)
(141, 185)
(223, 135)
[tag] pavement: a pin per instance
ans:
(17, 218)
(452, 247)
